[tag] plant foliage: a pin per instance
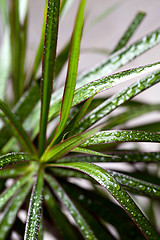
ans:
(59, 178)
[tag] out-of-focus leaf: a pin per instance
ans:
(21, 133)
(48, 66)
(13, 172)
(65, 6)
(11, 211)
(9, 192)
(129, 32)
(153, 127)
(113, 187)
(34, 212)
(121, 136)
(80, 221)
(64, 226)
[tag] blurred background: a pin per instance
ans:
(105, 23)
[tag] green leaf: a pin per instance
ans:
(14, 158)
(22, 135)
(18, 47)
(5, 62)
(65, 146)
(65, 5)
(109, 105)
(121, 136)
(130, 114)
(138, 186)
(72, 71)
(101, 206)
(11, 211)
(113, 187)
(63, 225)
(15, 171)
(48, 65)
(34, 212)
(119, 59)
(80, 221)
(9, 192)
(88, 151)
(104, 83)
(21, 110)
(129, 32)
(39, 53)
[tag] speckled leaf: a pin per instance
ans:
(48, 66)
(110, 104)
(34, 212)
(89, 151)
(64, 226)
(113, 187)
(116, 157)
(72, 71)
(132, 113)
(65, 146)
(21, 133)
(121, 136)
(129, 32)
(102, 206)
(138, 186)
(119, 59)
(13, 158)
(9, 192)
(12, 209)
(80, 221)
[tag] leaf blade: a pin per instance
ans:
(112, 186)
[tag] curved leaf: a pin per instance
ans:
(145, 188)
(121, 136)
(81, 222)
(88, 151)
(113, 187)
(11, 212)
(48, 65)
(13, 158)
(9, 192)
(65, 146)
(34, 212)
(22, 135)
(111, 104)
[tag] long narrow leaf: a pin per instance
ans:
(82, 224)
(129, 32)
(48, 65)
(72, 71)
(34, 212)
(121, 136)
(8, 193)
(8, 218)
(113, 187)
(88, 151)
(14, 158)
(116, 157)
(137, 185)
(109, 105)
(14, 172)
(18, 127)
(65, 228)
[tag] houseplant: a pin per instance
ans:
(42, 167)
